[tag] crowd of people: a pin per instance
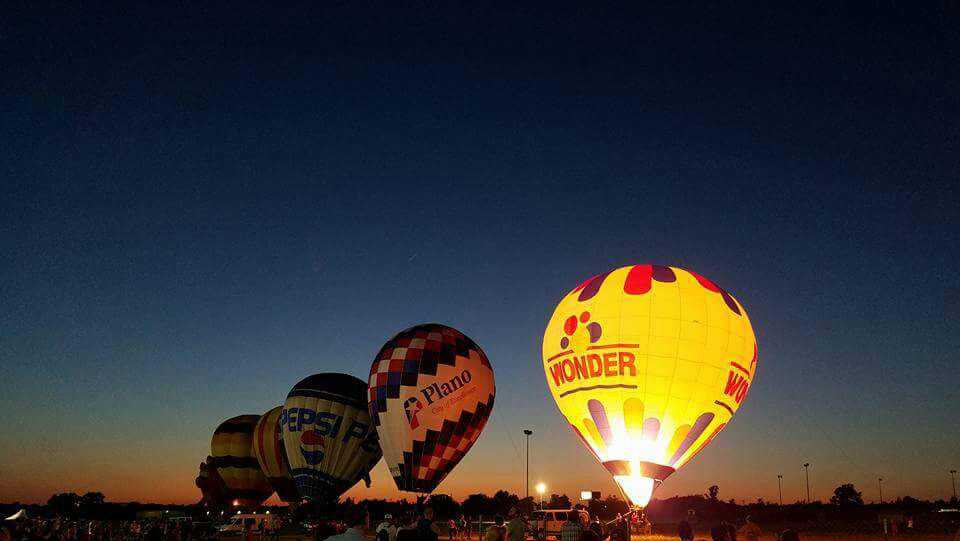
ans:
(424, 527)
(39, 529)
(421, 526)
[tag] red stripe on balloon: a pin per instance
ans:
(705, 282)
(277, 444)
(259, 437)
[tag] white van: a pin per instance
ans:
(252, 521)
(549, 521)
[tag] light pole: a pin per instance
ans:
(780, 487)
(541, 488)
(953, 478)
(880, 486)
(806, 468)
(527, 433)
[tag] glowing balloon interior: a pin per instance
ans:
(431, 390)
(648, 364)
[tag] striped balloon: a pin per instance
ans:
(232, 451)
(268, 448)
(327, 435)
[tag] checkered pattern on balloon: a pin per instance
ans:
(428, 417)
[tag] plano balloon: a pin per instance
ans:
(232, 451)
(648, 363)
(329, 440)
(268, 448)
(431, 391)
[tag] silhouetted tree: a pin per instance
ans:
(476, 505)
(503, 501)
(526, 505)
(92, 499)
(713, 493)
(64, 504)
(845, 495)
(90, 504)
(444, 507)
(559, 501)
(910, 501)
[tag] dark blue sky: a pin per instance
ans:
(201, 208)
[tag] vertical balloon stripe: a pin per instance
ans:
(678, 435)
(638, 280)
(598, 444)
(698, 427)
(651, 428)
(600, 418)
(664, 274)
(731, 303)
(633, 416)
(593, 287)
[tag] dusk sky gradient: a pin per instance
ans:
(202, 207)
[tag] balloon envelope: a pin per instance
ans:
(431, 392)
(648, 363)
(329, 440)
(268, 448)
(232, 451)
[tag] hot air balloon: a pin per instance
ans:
(648, 364)
(268, 449)
(232, 450)
(431, 392)
(329, 440)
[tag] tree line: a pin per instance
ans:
(709, 505)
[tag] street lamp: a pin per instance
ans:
(780, 487)
(541, 488)
(527, 433)
(953, 478)
(806, 467)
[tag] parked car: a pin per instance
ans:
(252, 521)
(547, 523)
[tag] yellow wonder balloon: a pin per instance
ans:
(648, 363)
